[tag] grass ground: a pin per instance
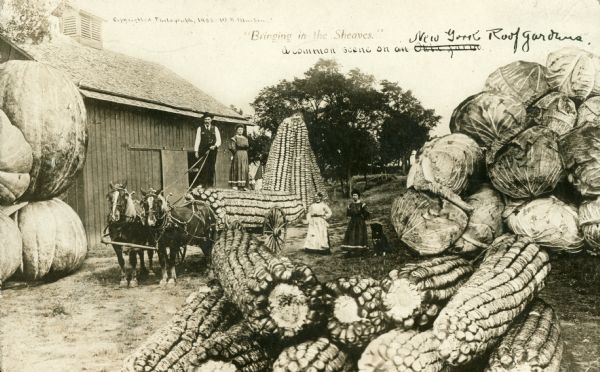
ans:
(85, 322)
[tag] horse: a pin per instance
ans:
(126, 224)
(175, 227)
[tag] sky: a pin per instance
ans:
(231, 49)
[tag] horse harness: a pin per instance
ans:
(170, 220)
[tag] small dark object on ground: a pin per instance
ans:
(381, 246)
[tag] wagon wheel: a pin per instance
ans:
(275, 230)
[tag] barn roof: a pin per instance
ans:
(111, 76)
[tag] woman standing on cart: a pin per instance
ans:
(238, 145)
(317, 238)
(356, 234)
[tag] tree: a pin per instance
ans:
(259, 146)
(400, 135)
(344, 114)
(406, 126)
(26, 20)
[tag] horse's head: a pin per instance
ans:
(154, 205)
(120, 203)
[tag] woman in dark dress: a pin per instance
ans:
(238, 176)
(356, 234)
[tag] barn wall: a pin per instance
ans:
(131, 144)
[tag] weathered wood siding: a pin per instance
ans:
(128, 144)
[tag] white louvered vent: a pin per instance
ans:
(96, 30)
(86, 27)
(69, 26)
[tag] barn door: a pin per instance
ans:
(143, 170)
(174, 179)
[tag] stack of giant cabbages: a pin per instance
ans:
(524, 156)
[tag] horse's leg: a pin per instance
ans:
(162, 260)
(150, 256)
(119, 252)
(143, 269)
(172, 259)
(133, 262)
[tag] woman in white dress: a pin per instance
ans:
(317, 239)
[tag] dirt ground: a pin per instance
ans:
(86, 322)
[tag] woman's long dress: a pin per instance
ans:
(356, 233)
(317, 239)
(238, 175)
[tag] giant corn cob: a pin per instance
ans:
(276, 296)
(204, 313)
(414, 295)
(318, 355)
(249, 207)
(400, 350)
(481, 311)
(357, 315)
(291, 165)
(532, 343)
(231, 350)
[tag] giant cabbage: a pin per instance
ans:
(589, 222)
(580, 151)
(426, 222)
(485, 222)
(589, 111)
(572, 71)
(555, 111)
(446, 164)
(549, 222)
(529, 165)
(524, 81)
(489, 118)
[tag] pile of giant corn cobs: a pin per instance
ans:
(264, 312)
(489, 203)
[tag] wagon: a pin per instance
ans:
(264, 212)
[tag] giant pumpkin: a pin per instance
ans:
(48, 109)
(11, 247)
(54, 241)
(15, 161)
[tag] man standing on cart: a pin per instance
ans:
(208, 140)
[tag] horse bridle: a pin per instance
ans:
(121, 204)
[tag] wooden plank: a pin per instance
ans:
(95, 152)
(173, 178)
(88, 222)
(102, 165)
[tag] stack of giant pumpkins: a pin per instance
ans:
(43, 141)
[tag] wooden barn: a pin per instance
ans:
(142, 119)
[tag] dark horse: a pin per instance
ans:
(175, 227)
(126, 224)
